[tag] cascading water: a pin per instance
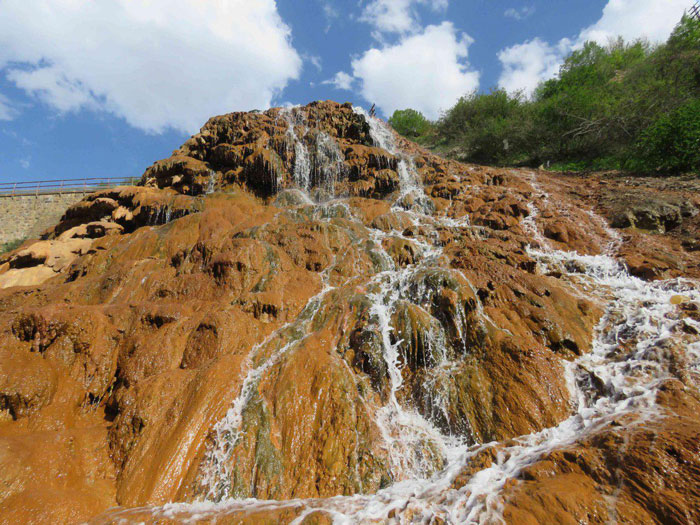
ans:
(211, 183)
(323, 165)
(619, 376)
(414, 444)
(215, 471)
(302, 161)
(329, 163)
(415, 447)
(411, 196)
(164, 214)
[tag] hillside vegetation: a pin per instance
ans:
(630, 106)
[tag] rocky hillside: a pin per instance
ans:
(301, 317)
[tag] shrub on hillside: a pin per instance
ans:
(410, 123)
(11, 245)
(672, 143)
(624, 104)
(493, 128)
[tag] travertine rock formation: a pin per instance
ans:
(299, 304)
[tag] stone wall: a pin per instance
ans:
(28, 216)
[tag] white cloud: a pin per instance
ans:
(397, 16)
(25, 163)
(341, 80)
(6, 111)
(527, 64)
(331, 14)
(315, 61)
(157, 64)
(427, 71)
(14, 136)
(633, 19)
(520, 14)
(52, 86)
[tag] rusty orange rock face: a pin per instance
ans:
(299, 305)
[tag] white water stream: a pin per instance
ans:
(302, 161)
(215, 473)
(321, 166)
(632, 353)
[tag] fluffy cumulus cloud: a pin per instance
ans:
(633, 19)
(527, 64)
(398, 16)
(426, 71)
(341, 80)
(157, 64)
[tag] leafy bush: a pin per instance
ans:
(629, 105)
(672, 143)
(587, 112)
(410, 123)
(489, 128)
(11, 245)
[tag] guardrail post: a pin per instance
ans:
(38, 184)
(13, 189)
(60, 190)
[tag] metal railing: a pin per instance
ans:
(61, 186)
(695, 11)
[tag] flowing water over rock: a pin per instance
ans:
(302, 160)
(629, 359)
(620, 375)
(347, 328)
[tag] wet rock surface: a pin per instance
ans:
(657, 217)
(298, 305)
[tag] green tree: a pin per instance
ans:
(686, 35)
(588, 111)
(625, 104)
(672, 143)
(489, 128)
(410, 123)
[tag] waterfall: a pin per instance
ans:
(415, 447)
(411, 196)
(621, 375)
(302, 161)
(301, 171)
(216, 473)
(329, 163)
(323, 165)
(211, 183)
(382, 135)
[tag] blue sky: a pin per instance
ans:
(106, 88)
